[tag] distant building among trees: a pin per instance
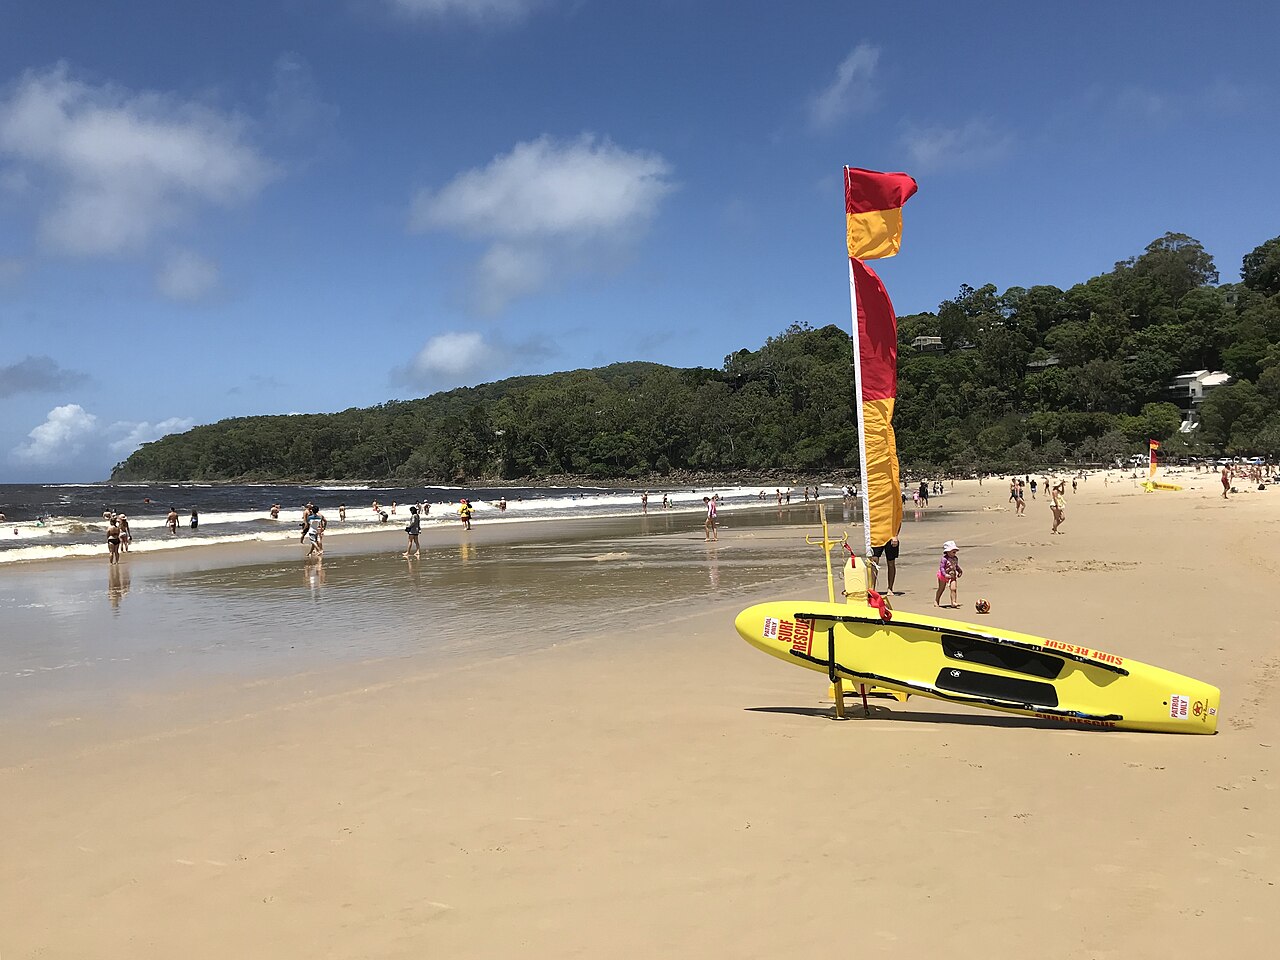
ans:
(1189, 390)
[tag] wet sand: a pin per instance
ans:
(636, 780)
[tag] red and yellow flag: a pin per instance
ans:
(878, 356)
(873, 211)
(1154, 445)
(873, 215)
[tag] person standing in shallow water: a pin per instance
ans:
(195, 519)
(710, 524)
(172, 520)
(314, 532)
(413, 529)
(113, 543)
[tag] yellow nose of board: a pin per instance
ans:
(773, 628)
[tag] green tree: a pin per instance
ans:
(1230, 414)
(1260, 270)
(1176, 264)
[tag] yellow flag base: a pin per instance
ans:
(862, 689)
(1152, 485)
(858, 579)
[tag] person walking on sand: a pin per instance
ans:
(113, 543)
(1057, 504)
(1226, 482)
(413, 529)
(710, 523)
(466, 510)
(172, 520)
(1019, 499)
(949, 572)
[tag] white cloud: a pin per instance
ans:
(187, 277)
(508, 272)
(475, 10)
(452, 356)
(459, 358)
(122, 166)
(543, 188)
(137, 433)
(852, 91)
(59, 439)
(977, 143)
(541, 204)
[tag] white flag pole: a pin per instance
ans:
(857, 402)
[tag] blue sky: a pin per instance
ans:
(214, 210)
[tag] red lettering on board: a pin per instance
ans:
(803, 642)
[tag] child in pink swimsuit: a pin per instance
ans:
(949, 572)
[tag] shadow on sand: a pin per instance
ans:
(878, 712)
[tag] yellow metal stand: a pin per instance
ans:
(837, 683)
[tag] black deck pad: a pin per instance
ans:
(1011, 689)
(988, 654)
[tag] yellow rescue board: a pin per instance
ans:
(968, 664)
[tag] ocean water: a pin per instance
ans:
(55, 521)
(74, 634)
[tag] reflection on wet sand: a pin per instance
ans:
(313, 572)
(713, 565)
(118, 580)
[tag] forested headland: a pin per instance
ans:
(1031, 377)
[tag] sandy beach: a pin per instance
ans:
(555, 745)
